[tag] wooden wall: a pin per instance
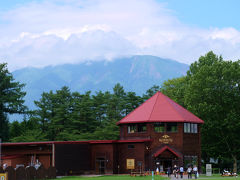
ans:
(137, 153)
(40, 152)
(184, 143)
(104, 151)
(72, 158)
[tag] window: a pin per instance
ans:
(187, 127)
(159, 127)
(131, 146)
(142, 128)
(163, 127)
(132, 128)
(195, 128)
(171, 127)
(190, 128)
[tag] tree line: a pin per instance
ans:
(66, 115)
(210, 90)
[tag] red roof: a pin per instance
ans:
(160, 151)
(76, 142)
(160, 108)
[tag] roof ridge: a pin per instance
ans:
(154, 105)
(136, 110)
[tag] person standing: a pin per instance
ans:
(181, 170)
(195, 171)
(189, 171)
(175, 171)
(169, 171)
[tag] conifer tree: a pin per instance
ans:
(11, 99)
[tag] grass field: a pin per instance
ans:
(114, 177)
(127, 177)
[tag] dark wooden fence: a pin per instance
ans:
(29, 173)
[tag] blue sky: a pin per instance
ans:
(202, 13)
(50, 32)
(206, 13)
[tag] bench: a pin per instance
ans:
(134, 173)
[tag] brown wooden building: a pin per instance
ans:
(158, 134)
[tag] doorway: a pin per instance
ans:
(100, 165)
(166, 164)
(163, 164)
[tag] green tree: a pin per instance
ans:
(53, 113)
(30, 135)
(66, 115)
(83, 117)
(44, 113)
(150, 92)
(62, 112)
(15, 129)
(116, 105)
(100, 103)
(213, 94)
(11, 99)
(211, 91)
(114, 109)
(132, 101)
(175, 88)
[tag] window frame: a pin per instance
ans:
(166, 130)
(159, 123)
(141, 125)
(132, 130)
(190, 128)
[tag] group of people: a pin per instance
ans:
(190, 171)
(228, 173)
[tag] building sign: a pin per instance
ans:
(165, 139)
(130, 163)
(3, 176)
(208, 169)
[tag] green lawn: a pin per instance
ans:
(217, 176)
(114, 177)
(127, 177)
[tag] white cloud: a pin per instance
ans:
(43, 50)
(70, 31)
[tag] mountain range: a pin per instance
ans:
(135, 73)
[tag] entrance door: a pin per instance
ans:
(166, 157)
(166, 164)
(163, 164)
(100, 165)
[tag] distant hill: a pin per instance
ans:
(136, 73)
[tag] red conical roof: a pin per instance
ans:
(160, 108)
